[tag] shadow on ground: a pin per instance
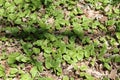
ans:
(31, 34)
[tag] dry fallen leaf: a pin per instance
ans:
(50, 20)
(65, 39)
(40, 57)
(103, 19)
(107, 8)
(49, 74)
(66, 14)
(92, 13)
(94, 73)
(113, 74)
(15, 79)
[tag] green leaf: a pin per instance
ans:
(115, 50)
(38, 43)
(80, 55)
(118, 26)
(47, 49)
(22, 58)
(2, 2)
(42, 25)
(106, 65)
(65, 78)
(86, 22)
(95, 24)
(78, 30)
(7, 4)
(89, 77)
(39, 66)
(59, 70)
(85, 40)
(2, 12)
(33, 16)
(79, 10)
(36, 50)
(47, 2)
(18, 21)
(13, 71)
(62, 49)
(117, 11)
(71, 78)
(82, 74)
(117, 58)
(93, 61)
(29, 29)
(27, 0)
(25, 76)
(118, 35)
(21, 71)
(18, 1)
(3, 38)
(111, 22)
(27, 48)
(2, 71)
(106, 78)
(25, 14)
(103, 51)
(12, 30)
(12, 57)
(86, 53)
(83, 67)
(55, 63)
(66, 57)
(48, 62)
(34, 71)
(11, 8)
(3, 56)
(48, 65)
(36, 3)
(49, 36)
(12, 16)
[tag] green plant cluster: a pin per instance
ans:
(53, 28)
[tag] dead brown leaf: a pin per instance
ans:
(49, 74)
(103, 19)
(50, 20)
(94, 73)
(113, 74)
(40, 57)
(107, 8)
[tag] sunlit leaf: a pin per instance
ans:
(34, 71)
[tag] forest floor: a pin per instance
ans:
(60, 40)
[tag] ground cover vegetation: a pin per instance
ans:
(59, 39)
